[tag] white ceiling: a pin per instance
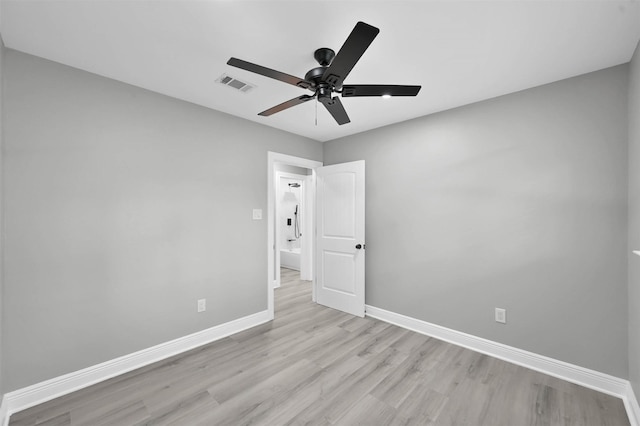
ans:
(460, 52)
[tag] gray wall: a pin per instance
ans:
(123, 207)
(634, 222)
(517, 202)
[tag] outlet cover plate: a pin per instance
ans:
(202, 305)
(501, 315)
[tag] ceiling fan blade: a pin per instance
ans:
(350, 52)
(285, 105)
(335, 108)
(379, 90)
(268, 72)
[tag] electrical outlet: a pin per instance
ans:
(501, 315)
(202, 305)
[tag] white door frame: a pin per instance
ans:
(274, 158)
(307, 262)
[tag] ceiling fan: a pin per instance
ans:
(327, 79)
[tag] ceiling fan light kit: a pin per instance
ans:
(328, 78)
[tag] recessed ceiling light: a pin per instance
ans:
(386, 96)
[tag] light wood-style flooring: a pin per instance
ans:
(314, 365)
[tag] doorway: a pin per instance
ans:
(338, 221)
(292, 228)
(280, 168)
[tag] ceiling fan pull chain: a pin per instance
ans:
(316, 111)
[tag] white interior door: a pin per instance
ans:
(340, 243)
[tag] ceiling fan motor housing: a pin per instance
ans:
(323, 89)
(315, 75)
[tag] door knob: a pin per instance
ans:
(358, 246)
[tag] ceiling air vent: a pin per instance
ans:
(234, 83)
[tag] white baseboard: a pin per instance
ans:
(38, 393)
(4, 416)
(631, 404)
(292, 267)
(572, 373)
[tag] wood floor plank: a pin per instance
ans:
(259, 394)
(61, 420)
(112, 414)
(345, 350)
(277, 361)
(410, 342)
(315, 365)
(317, 388)
(352, 388)
(369, 411)
(184, 410)
(402, 381)
(422, 406)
